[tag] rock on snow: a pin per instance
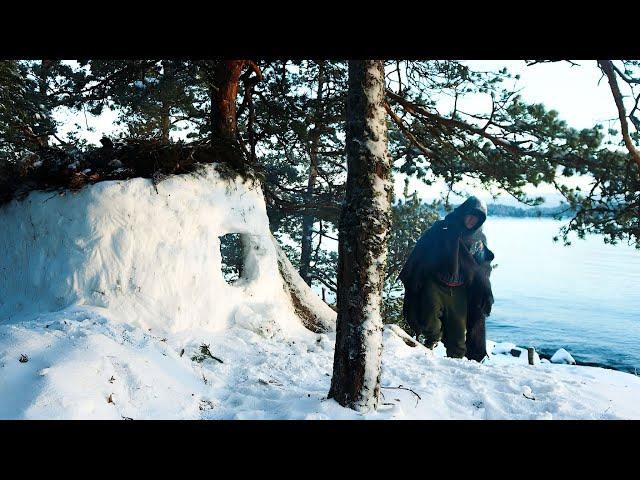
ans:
(562, 356)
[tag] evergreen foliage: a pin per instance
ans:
(291, 124)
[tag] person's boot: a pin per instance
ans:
(430, 343)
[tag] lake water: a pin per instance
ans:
(584, 298)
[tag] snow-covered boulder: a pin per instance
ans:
(149, 257)
(503, 348)
(562, 356)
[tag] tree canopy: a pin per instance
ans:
(289, 123)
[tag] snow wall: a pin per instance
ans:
(148, 258)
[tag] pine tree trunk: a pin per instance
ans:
(223, 99)
(43, 81)
(362, 251)
(165, 113)
(308, 220)
(165, 124)
(250, 126)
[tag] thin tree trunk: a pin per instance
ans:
(45, 65)
(308, 219)
(165, 124)
(362, 251)
(165, 113)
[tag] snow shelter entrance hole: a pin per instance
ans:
(232, 251)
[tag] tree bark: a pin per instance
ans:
(43, 81)
(224, 91)
(308, 219)
(165, 114)
(362, 251)
(165, 124)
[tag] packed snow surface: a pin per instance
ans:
(113, 306)
(82, 365)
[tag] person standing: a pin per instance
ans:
(446, 280)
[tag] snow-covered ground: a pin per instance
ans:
(107, 298)
(82, 365)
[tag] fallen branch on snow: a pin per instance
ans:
(204, 353)
(400, 387)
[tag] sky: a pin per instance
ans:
(577, 93)
(571, 90)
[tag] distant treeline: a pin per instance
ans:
(498, 210)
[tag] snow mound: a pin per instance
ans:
(113, 305)
(150, 257)
(265, 326)
(562, 356)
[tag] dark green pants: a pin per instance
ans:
(446, 316)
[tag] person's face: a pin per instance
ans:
(470, 221)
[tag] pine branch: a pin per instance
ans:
(420, 111)
(608, 69)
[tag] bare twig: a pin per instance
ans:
(398, 121)
(624, 76)
(493, 110)
(400, 387)
(326, 283)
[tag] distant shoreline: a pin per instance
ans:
(500, 210)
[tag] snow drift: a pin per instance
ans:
(109, 297)
(150, 256)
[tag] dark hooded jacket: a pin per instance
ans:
(447, 249)
(480, 300)
(453, 255)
